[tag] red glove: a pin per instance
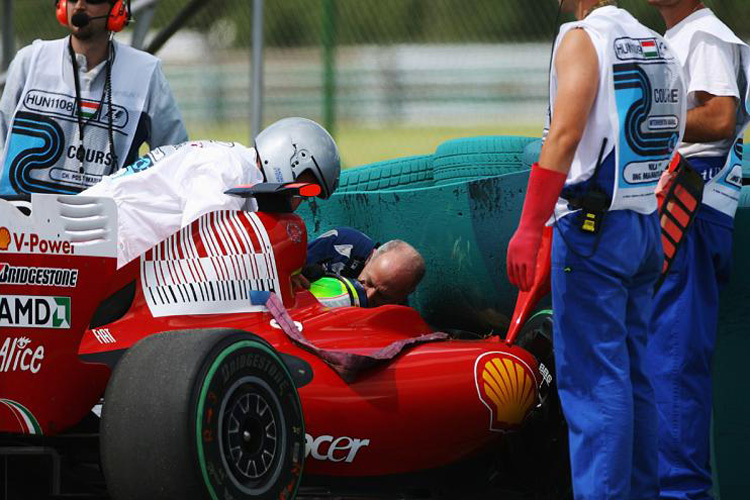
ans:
(667, 179)
(542, 193)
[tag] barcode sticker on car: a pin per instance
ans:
(221, 263)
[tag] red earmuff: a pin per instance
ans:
(61, 12)
(118, 18)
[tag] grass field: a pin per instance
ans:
(360, 145)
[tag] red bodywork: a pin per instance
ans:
(435, 404)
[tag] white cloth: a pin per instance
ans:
(39, 132)
(639, 110)
(171, 187)
(710, 55)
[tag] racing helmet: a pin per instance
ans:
(336, 291)
(292, 146)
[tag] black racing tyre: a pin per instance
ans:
(202, 414)
(399, 173)
(478, 157)
(536, 337)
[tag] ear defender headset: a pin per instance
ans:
(117, 18)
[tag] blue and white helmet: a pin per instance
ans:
(292, 146)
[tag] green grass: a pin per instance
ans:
(359, 145)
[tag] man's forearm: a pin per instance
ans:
(559, 150)
(715, 120)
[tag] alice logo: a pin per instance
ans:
(16, 354)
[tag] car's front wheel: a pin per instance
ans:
(202, 414)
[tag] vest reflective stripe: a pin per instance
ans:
(640, 110)
(40, 152)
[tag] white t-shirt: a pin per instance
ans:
(711, 64)
(171, 187)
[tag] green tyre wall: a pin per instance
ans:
(731, 408)
(478, 157)
(400, 173)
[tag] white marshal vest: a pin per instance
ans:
(40, 151)
(722, 190)
(639, 111)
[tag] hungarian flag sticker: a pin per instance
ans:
(649, 48)
(88, 109)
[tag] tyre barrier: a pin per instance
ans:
(478, 157)
(400, 173)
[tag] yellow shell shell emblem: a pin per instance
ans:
(507, 386)
(4, 238)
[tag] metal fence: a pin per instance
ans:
(406, 63)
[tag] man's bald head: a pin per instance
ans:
(392, 273)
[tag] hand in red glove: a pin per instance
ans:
(541, 195)
(522, 251)
(667, 179)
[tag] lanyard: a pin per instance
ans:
(106, 92)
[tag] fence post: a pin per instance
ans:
(329, 65)
(7, 28)
(145, 18)
(256, 76)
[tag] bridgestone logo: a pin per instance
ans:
(22, 311)
(40, 276)
(262, 363)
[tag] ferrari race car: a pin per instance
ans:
(197, 371)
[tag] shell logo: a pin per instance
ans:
(4, 238)
(508, 388)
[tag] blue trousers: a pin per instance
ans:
(602, 303)
(685, 316)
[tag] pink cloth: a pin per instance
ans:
(347, 364)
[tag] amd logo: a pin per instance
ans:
(328, 448)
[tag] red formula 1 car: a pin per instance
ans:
(214, 379)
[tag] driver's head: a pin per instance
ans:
(299, 149)
(392, 273)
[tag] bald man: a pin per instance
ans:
(382, 274)
(392, 273)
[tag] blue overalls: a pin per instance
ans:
(686, 311)
(342, 251)
(602, 307)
